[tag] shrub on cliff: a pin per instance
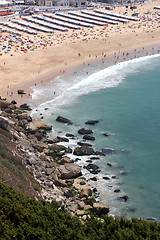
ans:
(22, 217)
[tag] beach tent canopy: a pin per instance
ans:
(4, 3)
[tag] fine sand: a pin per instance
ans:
(52, 55)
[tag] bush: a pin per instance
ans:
(24, 218)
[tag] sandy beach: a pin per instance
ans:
(50, 55)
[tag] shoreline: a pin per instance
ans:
(133, 53)
(111, 60)
(104, 62)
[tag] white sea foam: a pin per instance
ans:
(68, 90)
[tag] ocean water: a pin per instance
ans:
(125, 98)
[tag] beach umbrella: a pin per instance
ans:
(0, 34)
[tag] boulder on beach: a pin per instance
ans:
(100, 208)
(82, 151)
(4, 104)
(39, 124)
(25, 107)
(63, 120)
(70, 170)
(92, 122)
(84, 131)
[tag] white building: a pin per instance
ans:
(4, 3)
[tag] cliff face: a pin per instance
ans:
(38, 167)
(12, 171)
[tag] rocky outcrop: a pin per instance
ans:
(70, 170)
(106, 134)
(64, 160)
(100, 208)
(84, 131)
(92, 168)
(82, 151)
(4, 104)
(63, 120)
(25, 107)
(90, 138)
(41, 125)
(6, 124)
(92, 122)
(42, 157)
(84, 144)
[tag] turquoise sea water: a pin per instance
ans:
(125, 98)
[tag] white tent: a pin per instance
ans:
(4, 3)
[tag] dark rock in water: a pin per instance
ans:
(94, 190)
(123, 173)
(106, 178)
(25, 107)
(124, 198)
(59, 132)
(63, 120)
(106, 134)
(99, 153)
(82, 151)
(93, 179)
(90, 138)
(109, 164)
(106, 151)
(129, 209)
(91, 166)
(69, 135)
(63, 139)
(94, 158)
(92, 122)
(77, 159)
(46, 108)
(117, 190)
(84, 144)
(95, 171)
(84, 131)
(151, 219)
(114, 177)
(90, 161)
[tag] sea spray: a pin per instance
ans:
(64, 91)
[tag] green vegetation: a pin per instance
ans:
(12, 163)
(24, 218)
